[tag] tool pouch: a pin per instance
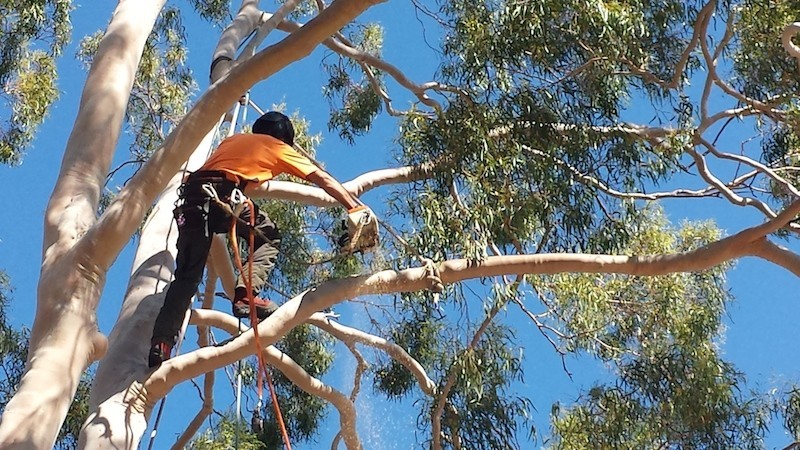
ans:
(362, 230)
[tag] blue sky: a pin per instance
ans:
(760, 339)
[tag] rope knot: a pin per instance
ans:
(433, 277)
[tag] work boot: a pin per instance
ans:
(160, 351)
(241, 305)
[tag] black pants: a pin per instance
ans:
(199, 218)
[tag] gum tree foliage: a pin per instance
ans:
(32, 35)
(530, 70)
(534, 150)
(160, 95)
(225, 436)
(354, 100)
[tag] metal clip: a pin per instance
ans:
(237, 201)
(208, 188)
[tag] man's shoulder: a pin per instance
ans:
(257, 139)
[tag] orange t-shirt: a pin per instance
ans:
(257, 158)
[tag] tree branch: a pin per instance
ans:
(348, 334)
(266, 27)
(311, 195)
(233, 35)
(208, 378)
(711, 65)
(300, 308)
(90, 147)
(345, 48)
(292, 371)
(778, 255)
(697, 34)
(761, 168)
(452, 378)
(361, 366)
(592, 181)
(790, 32)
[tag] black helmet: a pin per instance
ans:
(276, 125)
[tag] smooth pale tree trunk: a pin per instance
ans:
(64, 337)
(111, 423)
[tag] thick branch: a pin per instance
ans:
(265, 28)
(208, 378)
(300, 308)
(310, 195)
(235, 33)
(779, 255)
(790, 32)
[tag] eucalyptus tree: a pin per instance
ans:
(524, 184)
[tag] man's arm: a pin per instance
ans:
(362, 225)
(335, 189)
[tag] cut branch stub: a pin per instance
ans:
(786, 39)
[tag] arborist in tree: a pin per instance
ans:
(241, 163)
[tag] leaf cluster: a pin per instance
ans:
(520, 186)
(481, 412)
(354, 104)
(418, 336)
(225, 434)
(673, 389)
(764, 70)
(32, 36)
(215, 11)
(475, 399)
(580, 50)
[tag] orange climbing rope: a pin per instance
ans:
(262, 365)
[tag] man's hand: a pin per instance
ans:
(362, 230)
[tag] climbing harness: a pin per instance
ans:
(182, 331)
